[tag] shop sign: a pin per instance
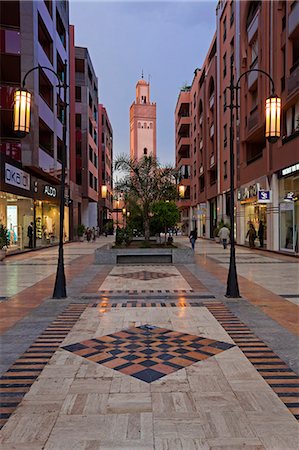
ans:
(248, 194)
(289, 170)
(264, 196)
(17, 177)
(51, 191)
(289, 196)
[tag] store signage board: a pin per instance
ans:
(17, 177)
(51, 191)
(248, 194)
(289, 170)
(264, 196)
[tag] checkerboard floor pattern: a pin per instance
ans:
(144, 275)
(147, 352)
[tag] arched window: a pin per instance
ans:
(139, 125)
(144, 125)
(151, 125)
(145, 151)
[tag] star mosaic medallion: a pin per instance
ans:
(144, 275)
(147, 352)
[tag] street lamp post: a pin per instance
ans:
(273, 108)
(22, 106)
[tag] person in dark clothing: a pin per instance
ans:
(261, 233)
(193, 237)
(30, 234)
(251, 234)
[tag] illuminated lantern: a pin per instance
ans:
(273, 112)
(22, 105)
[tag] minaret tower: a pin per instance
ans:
(142, 123)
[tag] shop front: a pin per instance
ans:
(289, 208)
(253, 206)
(29, 208)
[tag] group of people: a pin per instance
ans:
(224, 234)
(91, 234)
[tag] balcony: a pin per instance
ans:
(294, 21)
(212, 101)
(183, 125)
(10, 42)
(201, 145)
(253, 27)
(212, 129)
(252, 76)
(212, 160)
(253, 118)
(200, 121)
(293, 79)
(201, 169)
(183, 142)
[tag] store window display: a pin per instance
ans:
(256, 214)
(46, 223)
(289, 214)
(16, 213)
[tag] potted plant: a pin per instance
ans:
(4, 242)
(80, 232)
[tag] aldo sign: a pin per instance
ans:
(51, 191)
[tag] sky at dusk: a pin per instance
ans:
(167, 39)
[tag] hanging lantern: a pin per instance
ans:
(22, 105)
(273, 111)
(104, 191)
(182, 191)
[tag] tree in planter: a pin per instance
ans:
(80, 230)
(165, 215)
(148, 182)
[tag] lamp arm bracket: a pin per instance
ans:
(60, 83)
(256, 70)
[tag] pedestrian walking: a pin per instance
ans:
(260, 233)
(224, 236)
(30, 234)
(251, 234)
(193, 237)
(93, 234)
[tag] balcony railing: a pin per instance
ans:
(253, 119)
(212, 160)
(293, 80)
(252, 76)
(253, 27)
(212, 101)
(212, 131)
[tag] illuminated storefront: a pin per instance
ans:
(26, 200)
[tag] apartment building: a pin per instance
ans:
(105, 134)
(33, 34)
(86, 124)
(249, 35)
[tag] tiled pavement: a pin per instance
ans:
(231, 390)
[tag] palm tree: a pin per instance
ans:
(148, 182)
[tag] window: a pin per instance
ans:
(78, 121)
(46, 138)
(224, 29)
(295, 54)
(254, 99)
(194, 146)
(60, 29)
(79, 65)
(202, 183)
(10, 14)
(90, 128)
(232, 9)
(291, 123)
(96, 161)
(224, 65)
(95, 136)
(78, 94)
(145, 151)
(194, 100)
(90, 154)
(44, 39)
(254, 51)
(225, 135)
(60, 109)
(45, 89)
(60, 68)
(95, 184)
(59, 149)
(10, 69)
(194, 169)
(49, 6)
(225, 170)
(143, 99)
(224, 100)
(90, 180)
(90, 101)
(194, 123)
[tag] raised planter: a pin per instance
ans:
(112, 256)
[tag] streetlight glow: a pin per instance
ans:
(273, 111)
(22, 106)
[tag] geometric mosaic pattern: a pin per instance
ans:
(147, 352)
(144, 275)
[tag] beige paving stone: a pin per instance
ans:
(167, 384)
(233, 443)
(59, 371)
(223, 424)
(129, 403)
(209, 383)
(28, 428)
(181, 444)
(49, 389)
(30, 446)
(176, 428)
(63, 358)
(280, 422)
(260, 401)
(93, 385)
(110, 430)
(88, 369)
(176, 405)
(127, 384)
(280, 441)
(221, 401)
